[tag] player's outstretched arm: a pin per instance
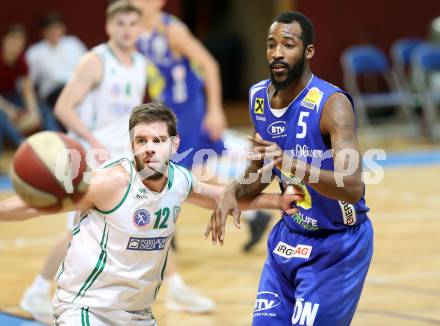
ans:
(15, 209)
(184, 43)
(216, 225)
(106, 188)
(207, 195)
(87, 75)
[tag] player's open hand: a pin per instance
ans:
(226, 205)
(266, 150)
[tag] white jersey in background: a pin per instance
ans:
(106, 109)
(117, 258)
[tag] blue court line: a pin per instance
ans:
(411, 159)
(5, 183)
(12, 320)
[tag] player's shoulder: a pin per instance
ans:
(323, 85)
(36, 49)
(261, 84)
(174, 27)
(257, 88)
(180, 176)
(113, 173)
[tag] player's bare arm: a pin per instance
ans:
(184, 43)
(227, 203)
(87, 75)
(207, 195)
(338, 125)
(106, 189)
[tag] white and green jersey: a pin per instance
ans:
(106, 109)
(117, 258)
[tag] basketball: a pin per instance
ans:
(48, 171)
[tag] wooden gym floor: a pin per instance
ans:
(402, 287)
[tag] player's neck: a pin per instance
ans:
(152, 21)
(283, 97)
(156, 185)
(124, 55)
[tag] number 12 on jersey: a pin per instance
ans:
(162, 218)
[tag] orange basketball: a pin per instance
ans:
(48, 171)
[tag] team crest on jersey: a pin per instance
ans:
(141, 217)
(176, 212)
(313, 98)
(259, 105)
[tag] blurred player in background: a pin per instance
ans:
(95, 107)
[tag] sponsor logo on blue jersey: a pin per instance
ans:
(141, 217)
(306, 222)
(287, 251)
(259, 105)
(277, 129)
(147, 244)
(266, 300)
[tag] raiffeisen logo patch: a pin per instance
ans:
(266, 300)
(277, 128)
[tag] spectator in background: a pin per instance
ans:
(19, 110)
(53, 59)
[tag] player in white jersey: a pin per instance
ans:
(128, 219)
(95, 107)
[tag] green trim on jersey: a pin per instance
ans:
(161, 274)
(133, 57)
(99, 267)
(170, 176)
(60, 271)
(126, 192)
(77, 228)
(85, 317)
(188, 176)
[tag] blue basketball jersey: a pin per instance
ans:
(297, 132)
(174, 82)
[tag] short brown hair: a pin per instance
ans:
(15, 29)
(153, 112)
(121, 6)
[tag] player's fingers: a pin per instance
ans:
(270, 165)
(214, 233)
(291, 211)
(236, 215)
(258, 140)
(221, 234)
(209, 228)
(216, 228)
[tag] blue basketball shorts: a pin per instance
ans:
(310, 280)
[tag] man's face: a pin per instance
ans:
(13, 44)
(54, 33)
(153, 148)
(124, 29)
(285, 53)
